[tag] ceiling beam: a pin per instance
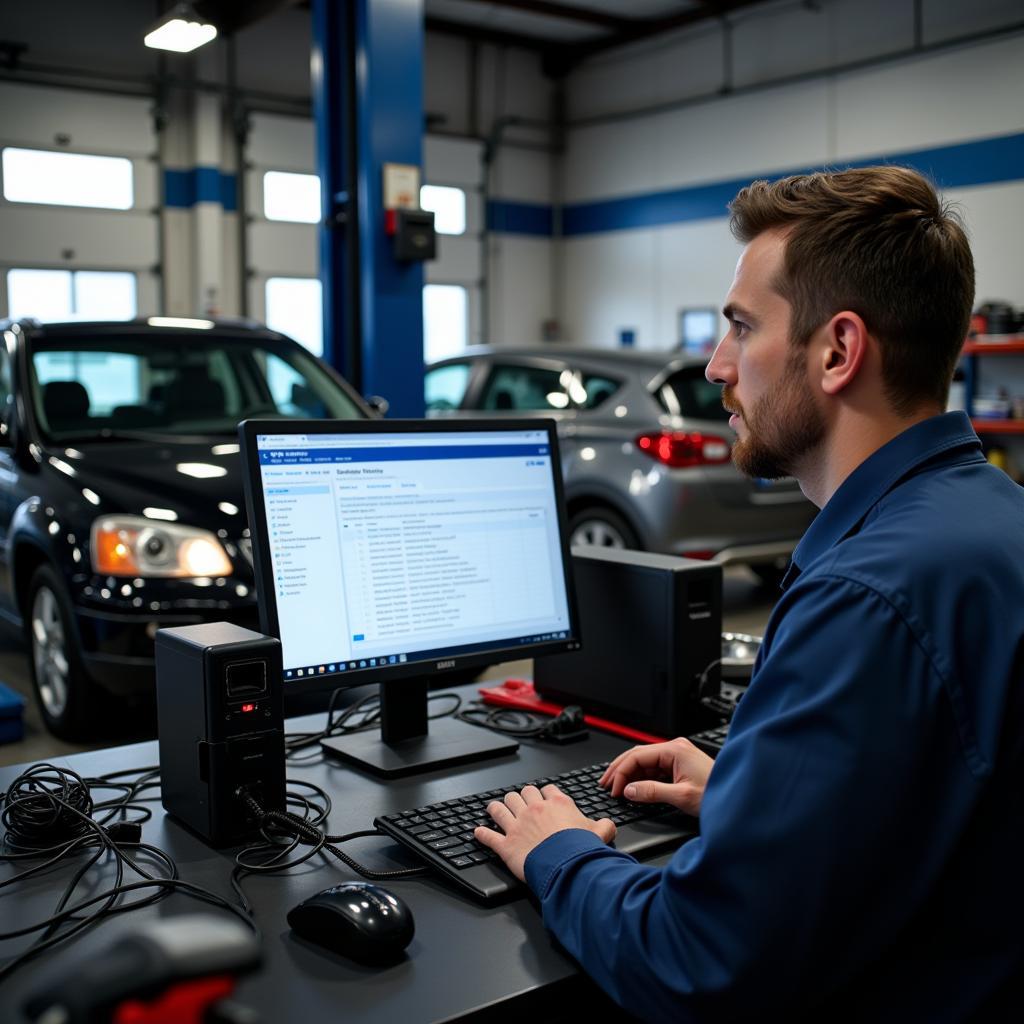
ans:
(563, 12)
(638, 30)
(480, 34)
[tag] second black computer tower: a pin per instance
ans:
(221, 727)
(651, 631)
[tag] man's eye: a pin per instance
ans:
(739, 327)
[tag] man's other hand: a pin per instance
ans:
(673, 773)
(528, 818)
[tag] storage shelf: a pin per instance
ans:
(1014, 343)
(986, 426)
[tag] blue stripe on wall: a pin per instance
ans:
(183, 189)
(981, 162)
(519, 218)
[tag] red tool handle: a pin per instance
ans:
(520, 693)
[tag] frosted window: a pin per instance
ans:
(294, 306)
(291, 197)
(67, 179)
(445, 321)
(56, 295)
(449, 206)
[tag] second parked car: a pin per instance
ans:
(645, 449)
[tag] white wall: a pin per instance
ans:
(642, 277)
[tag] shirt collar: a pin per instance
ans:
(875, 477)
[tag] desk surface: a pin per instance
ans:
(465, 959)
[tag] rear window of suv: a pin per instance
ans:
(687, 393)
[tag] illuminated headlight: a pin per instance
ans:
(136, 546)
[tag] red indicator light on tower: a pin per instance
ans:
(248, 707)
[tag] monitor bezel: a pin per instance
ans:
(266, 592)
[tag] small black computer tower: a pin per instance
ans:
(220, 725)
(651, 632)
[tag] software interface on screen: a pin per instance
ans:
(406, 547)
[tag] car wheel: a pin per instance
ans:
(601, 527)
(67, 697)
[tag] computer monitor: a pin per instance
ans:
(394, 551)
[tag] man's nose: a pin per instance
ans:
(720, 368)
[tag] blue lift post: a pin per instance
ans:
(367, 71)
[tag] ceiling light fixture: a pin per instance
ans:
(180, 30)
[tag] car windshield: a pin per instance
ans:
(124, 385)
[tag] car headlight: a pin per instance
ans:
(136, 546)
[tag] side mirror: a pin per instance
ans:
(378, 404)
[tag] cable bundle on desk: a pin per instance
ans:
(284, 832)
(49, 812)
(49, 815)
(364, 714)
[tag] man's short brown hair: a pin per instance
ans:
(879, 242)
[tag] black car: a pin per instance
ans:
(121, 499)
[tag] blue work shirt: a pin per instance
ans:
(860, 853)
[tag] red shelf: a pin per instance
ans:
(983, 426)
(1014, 344)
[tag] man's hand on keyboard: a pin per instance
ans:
(528, 818)
(673, 773)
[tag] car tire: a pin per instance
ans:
(68, 700)
(601, 527)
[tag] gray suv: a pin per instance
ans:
(645, 449)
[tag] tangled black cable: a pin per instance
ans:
(45, 806)
(508, 721)
(284, 832)
(363, 714)
(48, 812)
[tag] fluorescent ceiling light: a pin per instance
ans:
(181, 30)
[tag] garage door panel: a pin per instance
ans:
(288, 249)
(44, 236)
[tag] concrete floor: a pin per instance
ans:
(746, 608)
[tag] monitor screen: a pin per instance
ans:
(389, 549)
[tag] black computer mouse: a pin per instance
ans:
(357, 919)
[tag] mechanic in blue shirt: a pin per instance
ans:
(860, 852)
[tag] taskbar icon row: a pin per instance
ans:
(344, 666)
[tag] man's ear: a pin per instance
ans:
(844, 347)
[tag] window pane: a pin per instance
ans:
(445, 321)
(597, 389)
(57, 295)
(445, 386)
(295, 307)
(293, 197)
(109, 378)
(67, 179)
(695, 397)
(525, 388)
(449, 206)
(44, 294)
(104, 295)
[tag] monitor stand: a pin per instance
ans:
(408, 744)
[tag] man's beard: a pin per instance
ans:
(782, 427)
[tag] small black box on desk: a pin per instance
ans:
(220, 726)
(651, 628)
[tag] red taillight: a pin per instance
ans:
(679, 449)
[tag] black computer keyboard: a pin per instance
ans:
(442, 833)
(710, 740)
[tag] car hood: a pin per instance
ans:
(200, 482)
